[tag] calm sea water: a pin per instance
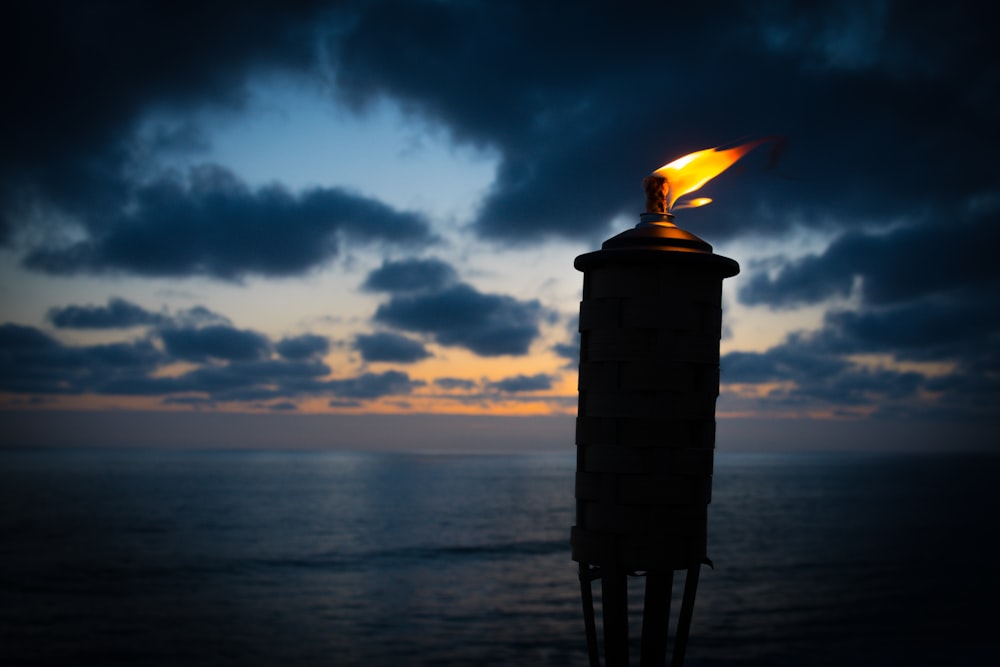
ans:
(250, 558)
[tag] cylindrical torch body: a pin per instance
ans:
(650, 325)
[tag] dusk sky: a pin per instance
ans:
(357, 220)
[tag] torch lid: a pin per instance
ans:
(657, 230)
(655, 240)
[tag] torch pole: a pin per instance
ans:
(684, 621)
(656, 617)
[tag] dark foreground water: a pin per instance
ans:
(248, 558)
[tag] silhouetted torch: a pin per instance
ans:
(650, 325)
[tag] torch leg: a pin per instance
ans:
(587, 575)
(656, 618)
(614, 603)
(684, 620)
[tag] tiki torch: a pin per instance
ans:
(650, 325)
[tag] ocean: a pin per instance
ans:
(136, 557)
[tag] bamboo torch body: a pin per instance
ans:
(650, 324)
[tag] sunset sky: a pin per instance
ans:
(362, 209)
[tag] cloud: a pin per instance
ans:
(212, 224)
(197, 316)
(577, 106)
(580, 105)
(122, 314)
(410, 275)
(118, 314)
(85, 77)
(302, 347)
(827, 368)
(34, 362)
(215, 342)
(85, 74)
(427, 298)
(922, 292)
(241, 380)
(570, 350)
(385, 346)
(523, 383)
(374, 385)
(230, 365)
(799, 376)
(75, 160)
(452, 384)
(923, 330)
(912, 261)
(487, 324)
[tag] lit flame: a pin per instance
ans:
(694, 203)
(688, 173)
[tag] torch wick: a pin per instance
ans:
(657, 189)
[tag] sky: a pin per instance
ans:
(364, 215)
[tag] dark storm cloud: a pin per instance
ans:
(82, 77)
(117, 314)
(79, 74)
(580, 103)
(487, 324)
(887, 106)
(522, 383)
(385, 346)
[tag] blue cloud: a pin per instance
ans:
(302, 347)
(231, 365)
(410, 275)
(385, 346)
(373, 385)
(450, 384)
(487, 324)
(522, 383)
(215, 342)
(117, 314)
(214, 225)
(33, 362)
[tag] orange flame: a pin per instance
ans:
(694, 203)
(688, 173)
